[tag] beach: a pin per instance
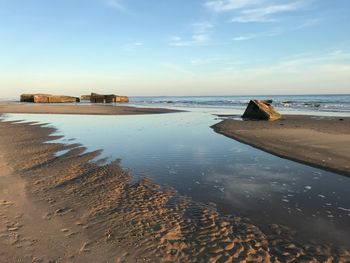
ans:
(214, 131)
(322, 142)
(100, 109)
(75, 207)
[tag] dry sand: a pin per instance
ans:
(72, 208)
(11, 107)
(322, 142)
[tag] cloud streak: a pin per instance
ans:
(279, 31)
(247, 11)
(201, 32)
(266, 13)
(259, 35)
(117, 4)
(229, 5)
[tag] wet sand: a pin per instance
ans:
(74, 208)
(12, 107)
(322, 142)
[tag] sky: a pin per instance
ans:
(174, 47)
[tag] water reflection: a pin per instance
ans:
(182, 151)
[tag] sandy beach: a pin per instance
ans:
(12, 107)
(72, 208)
(322, 142)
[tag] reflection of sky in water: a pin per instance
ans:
(181, 150)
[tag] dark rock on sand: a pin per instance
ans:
(30, 97)
(111, 98)
(261, 110)
(55, 99)
(85, 97)
(47, 98)
(121, 99)
(62, 99)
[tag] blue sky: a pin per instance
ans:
(174, 47)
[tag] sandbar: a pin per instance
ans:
(81, 109)
(322, 142)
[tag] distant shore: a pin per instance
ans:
(322, 142)
(12, 107)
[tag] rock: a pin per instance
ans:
(85, 97)
(30, 97)
(121, 99)
(261, 110)
(47, 98)
(110, 98)
(99, 98)
(62, 99)
(41, 98)
(54, 99)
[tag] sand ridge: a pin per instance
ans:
(322, 142)
(92, 212)
(81, 109)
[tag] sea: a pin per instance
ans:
(305, 104)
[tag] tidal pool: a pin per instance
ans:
(181, 150)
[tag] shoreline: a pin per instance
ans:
(321, 142)
(79, 109)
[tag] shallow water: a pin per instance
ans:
(180, 150)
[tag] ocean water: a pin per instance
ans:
(314, 104)
(181, 150)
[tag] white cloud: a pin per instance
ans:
(265, 13)
(201, 32)
(228, 5)
(215, 62)
(254, 10)
(259, 35)
(278, 31)
(117, 4)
